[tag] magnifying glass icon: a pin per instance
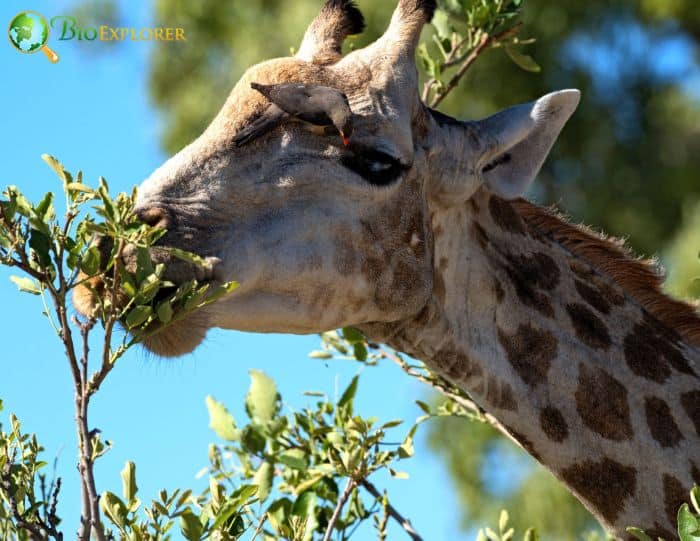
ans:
(29, 33)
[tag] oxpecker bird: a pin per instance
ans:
(317, 105)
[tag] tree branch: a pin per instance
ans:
(339, 507)
(403, 522)
(484, 42)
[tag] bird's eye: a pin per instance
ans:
(374, 166)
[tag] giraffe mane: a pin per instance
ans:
(640, 278)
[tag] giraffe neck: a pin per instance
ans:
(576, 370)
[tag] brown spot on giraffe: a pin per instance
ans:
(592, 296)
(651, 351)
(601, 401)
(643, 357)
(505, 216)
(691, 404)
(534, 277)
(675, 495)
(530, 352)
(589, 277)
(612, 295)
(661, 423)
(500, 394)
(456, 365)
(553, 424)
(588, 327)
(607, 484)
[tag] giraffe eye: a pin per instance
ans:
(374, 166)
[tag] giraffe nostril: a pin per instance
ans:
(154, 216)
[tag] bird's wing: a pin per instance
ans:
(272, 117)
(310, 103)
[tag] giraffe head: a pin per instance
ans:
(320, 234)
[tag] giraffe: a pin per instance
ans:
(416, 234)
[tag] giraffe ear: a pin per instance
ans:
(514, 143)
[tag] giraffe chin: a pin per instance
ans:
(177, 338)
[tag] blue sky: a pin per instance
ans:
(92, 112)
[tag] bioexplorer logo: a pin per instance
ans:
(29, 33)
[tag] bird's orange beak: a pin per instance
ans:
(346, 140)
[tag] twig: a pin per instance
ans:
(339, 507)
(259, 527)
(484, 42)
(404, 522)
(38, 531)
(86, 462)
(111, 320)
(384, 522)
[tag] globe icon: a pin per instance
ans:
(29, 32)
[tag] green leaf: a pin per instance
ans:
(253, 441)
(190, 525)
(688, 525)
(263, 479)
(129, 487)
(221, 421)
(406, 448)
(41, 244)
(114, 509)
(44, 209)
(349, 394)
(320, 354)
(305, 504)
(278, 514)
(221, 291)
(639, 534)
(79, 187)
(164, 312)
(305, 507)
(90, 261)
(27, 285)
(144, 265)
(57, 166)
(189, 257)
(398, 474)
(522, 60)
(352, 335)
(294, 458)
(138, 316)
(226, 516)
(422, 405)
(262, 400)
(360, 351)
(441, 23)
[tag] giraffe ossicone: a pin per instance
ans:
(415, 234)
